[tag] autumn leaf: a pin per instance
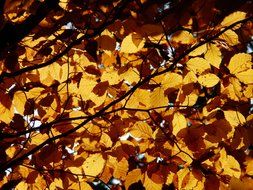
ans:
(179, 122)
(235, 118)
(213, 55)
(228, 165)
(232, 18)
(132, 43)
(198, 65)
(93, 165)
(208, 80)
(141, 130)
(230, 37)
(133, 177)
(239, 63)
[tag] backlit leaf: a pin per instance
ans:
(93, 165)
(246, 76)
(213, 55)
(230, 37)
(239, 63)
(141, 130)
(132, 43)
(133, 177)
(198, 65)
(208, 80)
(179, 122)
(235, 118)
(232, 18)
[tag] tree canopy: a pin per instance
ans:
(126, 94)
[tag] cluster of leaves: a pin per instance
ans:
(126, 94)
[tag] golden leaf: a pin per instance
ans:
(19, 101)
(249, 167)
(233, 90)
(230, 37)
(248, 92)
(121, 169)
(188, 180)
(208, 80)
(21, 186)
(198, 51)
(133, 177)
(111, 76)
(131, 76)
(179, 122)
(11, 151)
(141, 130)
(228, 165)
(235, 118)
(157, 98)
(183, 37)
(198, 65)
(246, 76)
(232, 18)
(239, 62)
(93, 165)
(149, 184)
(132, 43)
(171, 80)
(39, 138)
(213, 55)
(82, 185)
(106, 140)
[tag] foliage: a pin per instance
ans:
(126, 94)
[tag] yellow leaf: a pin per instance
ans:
(21, 186)
(239, 63)
(111, 76)
(179, 122)
(190, 77)
(198, 51)
(246, 76)
(141, 130)
(171, 80)
(39, 138)
(230, 37)
(232, 18)
(198, 65)
(132, 43)
(234, 89)
(106, 140)
(93, 165)
(19, 101)
(6, 113)
(121, 169)
(133, 177)
(131, 76)
(208, 80)
(228, 165)
(190, 99)
(149, 184)
(187, 180)
(213, 55)
(235, 118)
(183, 37)
(248, 92)
(157, 98)
(11, 151)
(249, 167)
(140, 98)
(55, 71)
(81, 185)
